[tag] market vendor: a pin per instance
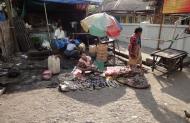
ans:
(72, 50)
(59, 33)
(71, 38)
(85, 63)
(134, 48)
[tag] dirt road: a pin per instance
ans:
(163, 103)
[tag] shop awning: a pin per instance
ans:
(73, 1)
(176, 6)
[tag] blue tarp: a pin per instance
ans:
(61, 43)
(73, 1)
(2, 16)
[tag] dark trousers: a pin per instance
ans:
(72, 53)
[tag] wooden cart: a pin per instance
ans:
(170, 59)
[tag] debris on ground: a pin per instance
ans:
(187, 114)
(2, 90)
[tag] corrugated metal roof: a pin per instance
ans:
(125, 5)
(72, 1)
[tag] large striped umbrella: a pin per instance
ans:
(101, 25)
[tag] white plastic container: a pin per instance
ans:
(54, 64)
(50, 58)
(82, 47)
(57, 64)
(92, 49)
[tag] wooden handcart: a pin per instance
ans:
(170, 59)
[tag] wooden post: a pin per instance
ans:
(9, 10)
(161, 24)
(45, 9)
(160, 32)
(10, 18)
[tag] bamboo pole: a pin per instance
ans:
(10, 18)
(45, 9)
(160, 32)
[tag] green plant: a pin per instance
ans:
(36, 40)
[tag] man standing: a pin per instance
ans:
(134, 48)
(59, 33)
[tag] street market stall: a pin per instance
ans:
(48, 14)
(102, 25)
(76, 73)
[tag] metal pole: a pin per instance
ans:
(47, 21)
(160, 32)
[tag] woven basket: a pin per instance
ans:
(102, 47)
(102, 52)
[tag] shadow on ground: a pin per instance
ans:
(160, 113)
(176, 85)
(98, 97)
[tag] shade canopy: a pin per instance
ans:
(73, 1)
(101, 25)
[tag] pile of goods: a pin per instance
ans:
(112, 77)
(94, 81)
(118, 71)
(132, 77)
